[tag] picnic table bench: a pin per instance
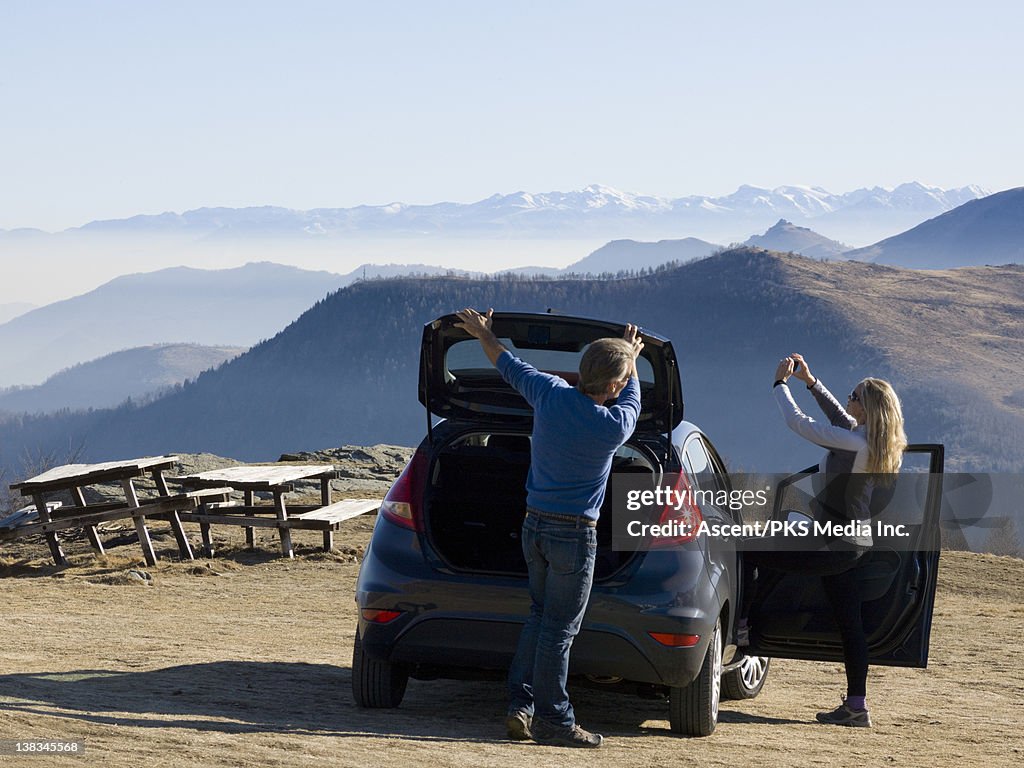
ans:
(278, 481)
(48, 517)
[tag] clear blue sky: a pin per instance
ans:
(115, 108)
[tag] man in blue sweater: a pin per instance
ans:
(575, 437)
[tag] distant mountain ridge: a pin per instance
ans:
(232, 307)
(13, 309)
(592, 210)
(317, 383)
(627, 255)
(985, 231)
(786, 237)
(138, 373)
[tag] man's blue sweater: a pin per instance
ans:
(574, 439)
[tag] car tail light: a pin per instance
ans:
(673, 640)
(402, 504)
(380, 617)
(686, 519)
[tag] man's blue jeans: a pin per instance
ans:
(560, 559)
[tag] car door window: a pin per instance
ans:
(703, 469)
(715, 467)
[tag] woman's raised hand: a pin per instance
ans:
(784, 369)
(801, 370)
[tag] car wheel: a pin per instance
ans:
(693, 710)
(746, 680)
(376, 684)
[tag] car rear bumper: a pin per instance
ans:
(487, 644)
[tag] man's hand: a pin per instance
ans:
(476, 325)
(479, 326)
(632, 335)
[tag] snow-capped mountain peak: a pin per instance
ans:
(863, 215)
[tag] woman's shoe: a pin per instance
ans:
(844, 715)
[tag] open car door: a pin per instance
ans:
(792, 618)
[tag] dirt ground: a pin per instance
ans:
(244, 660)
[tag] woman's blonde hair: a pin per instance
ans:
(886, 438)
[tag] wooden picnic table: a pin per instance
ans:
(278, 481)
(49, 517)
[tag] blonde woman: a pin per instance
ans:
(865, 442)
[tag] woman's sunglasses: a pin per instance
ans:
(853, 397)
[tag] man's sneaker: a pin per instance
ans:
(844, 715)
(564, 737)
(517, 725)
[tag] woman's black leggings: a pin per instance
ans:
(839, 578)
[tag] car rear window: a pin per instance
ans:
(466, 359)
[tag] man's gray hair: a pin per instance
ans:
(604, 362)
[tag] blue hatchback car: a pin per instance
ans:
(442, 591)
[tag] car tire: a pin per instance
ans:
(693, 710)
(746, 680)
(376, 684)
